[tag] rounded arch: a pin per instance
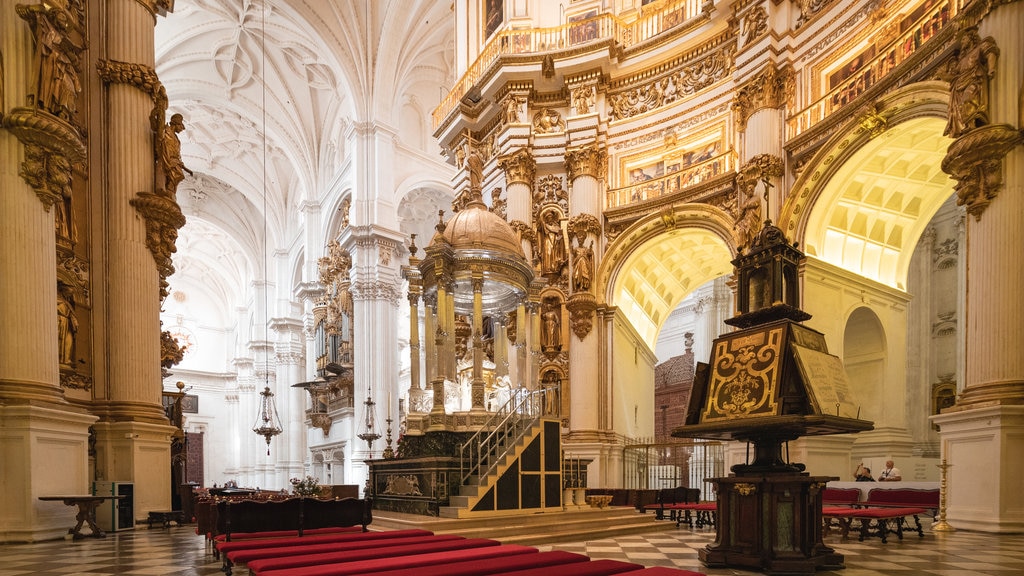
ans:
(864, 357)
(866, 196)
(663, 257)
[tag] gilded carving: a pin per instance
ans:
(142, 77)
(581, 306)
(498, 205)
(548, 121)
(551, 328)
(745, 489)
(582, 266)
(59, 39)
(808, 8)
(585, 161)
(755, 23)
(582, 225)
(163, 218)
(519, 166)
(688, 80)
(513, 107)
(171, 169)
(761, 168)
(67, 325)
(873, 122)
(583, 99)
(525, 231)
(969, 74)
(975, 161)
(770, 88)
(171, 351)
(551, 242)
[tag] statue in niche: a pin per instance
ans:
(513, 114)
(583, 99)
(56, 57)
(552, 385)
(968, 76)
(67, 325)
(552, 244)
(583, 266)
(551, 323)
(169, 155)
(346, 206)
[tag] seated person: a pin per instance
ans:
(863, 474)
(890, 474)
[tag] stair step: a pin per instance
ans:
(526, 528)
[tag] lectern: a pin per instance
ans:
(767, 383)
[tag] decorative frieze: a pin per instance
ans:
(687, 80)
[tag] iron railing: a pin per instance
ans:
(687, 463)
(482, 452)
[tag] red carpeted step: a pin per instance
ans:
(250, 556)
(553, 561)
(497, 551)
(593, 568)
(229, 547)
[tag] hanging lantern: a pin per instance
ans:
(268, 423)
(370, 435)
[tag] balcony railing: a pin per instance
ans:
(671, 182)
(541, 40)
(868, 71)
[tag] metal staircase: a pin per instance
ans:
(499, 443)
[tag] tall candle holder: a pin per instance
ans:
(942, 525)
(388, 452)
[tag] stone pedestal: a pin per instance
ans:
(771, 522)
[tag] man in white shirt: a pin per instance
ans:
(890, 474)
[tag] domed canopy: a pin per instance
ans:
(477, 243)
(475, 227)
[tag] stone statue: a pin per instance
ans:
(968, 76)
(67, 325)
(56, 57)
(169, 155)
(58, 175)
(552, 243)
(583, 267)
(748, 220)
(551, 335)
(475, 165)
(346, 206)
(583, 99)
(512, 114)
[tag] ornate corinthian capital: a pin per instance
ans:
(770, 88)
(975, 161)
(585, 161)
(519, 166)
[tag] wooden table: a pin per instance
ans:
(87, 505)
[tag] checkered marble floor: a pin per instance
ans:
(177, 551)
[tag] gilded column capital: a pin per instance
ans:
(975, 161)
(519, 166)
(770, 88)
(586, 161)
(140, 76)
(581, 225)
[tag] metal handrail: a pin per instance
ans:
(503, 429)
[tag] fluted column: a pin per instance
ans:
(28, 291)
(760, 107)
(982, 430)
(291, 405)
(585, 167)
(520, 171)
(477, 392)
(131, 336)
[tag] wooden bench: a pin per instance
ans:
(840, 497)
(164, 517)
(886, 520)
(903, 498)
(671, 496)
(699, 514)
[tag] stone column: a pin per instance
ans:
(983, 430)
(584, 167)
(478, 345)
(291, 402)
(520, 172)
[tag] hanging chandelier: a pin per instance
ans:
(370, 435)
(268, 423)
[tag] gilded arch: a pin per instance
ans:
(657, 261)
(851, 207)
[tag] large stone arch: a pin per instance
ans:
(864, 198)
(652, 265)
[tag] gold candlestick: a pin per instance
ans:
(942, 525)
